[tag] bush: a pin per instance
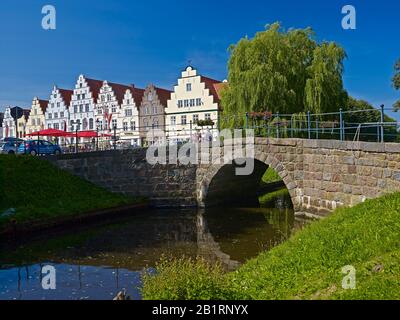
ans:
(185, 279)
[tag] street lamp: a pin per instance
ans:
(97, 134)
(75, 123)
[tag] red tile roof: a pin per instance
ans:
(94, 86)
(66, 95)
(43, 105)
(120, 90)
(163, 95)
(213, 86)
(137, 95)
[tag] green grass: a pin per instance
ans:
(270, 176)
(38, 191)
(309, 264)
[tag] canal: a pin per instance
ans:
(95, 262)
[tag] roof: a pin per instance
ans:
(120, 90)
(213, 86)
(219, 87)
(1, 117)
(137, 95)
(43, 105)
(94, 86)
(66, 95)
(163, 95)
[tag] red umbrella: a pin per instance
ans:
(91, 134)
(50, 133)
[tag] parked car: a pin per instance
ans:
(39, 147)
(9, 147)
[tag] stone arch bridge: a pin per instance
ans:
(321, 175)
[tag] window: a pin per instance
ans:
(55, 115)
(35, 112)
(186, 103)
(91, 124)
(173, 120)
(128, 101)
(114, 124)
(113, 109)
(99, 111)
(125, 125)
(195, 118)
(208, 116)
(87, 107)
(133, 125)
(61, 114)
(146, 110)
(78, 125)
(155, 123)
(183, 120)
(128, 112)
(55, 96)
(75, 110)
(109, 97)
(49, 126)
(78, 96)
(192, 102)
(154, 110)
(58, 104)
(100, 124)
(81, 108)
(56, 126)
(198, 102)
(103, 98)
(83, 96)
(50, 116)
(38, 122)
(188, 87)
(150, 97)
(33, 122)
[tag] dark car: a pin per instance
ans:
(9, 147)
(39, 147)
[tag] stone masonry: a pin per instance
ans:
(321, 175)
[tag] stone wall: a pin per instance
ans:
(129, 173)
(321, 175)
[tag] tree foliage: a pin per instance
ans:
(283, 71)
(396, 82)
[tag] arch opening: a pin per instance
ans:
(227, 189)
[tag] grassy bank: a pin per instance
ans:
(307, 266)
(270, 176)
(39, 192)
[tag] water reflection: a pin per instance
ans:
(96, 262)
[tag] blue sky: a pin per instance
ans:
(145, 42)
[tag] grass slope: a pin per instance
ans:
(309, 265)
(40, 191)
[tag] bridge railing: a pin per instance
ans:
(356, 125)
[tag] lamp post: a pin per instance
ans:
(115, 137)
(97, 134)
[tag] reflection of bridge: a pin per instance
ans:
(320, 175)
(209, 248)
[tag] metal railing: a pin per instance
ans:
(341, 125)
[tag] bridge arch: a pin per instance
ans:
(208, 178)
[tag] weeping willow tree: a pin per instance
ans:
(282, 71)
(396, 83)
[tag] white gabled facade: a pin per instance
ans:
(83, 103)
(128, 118)
(194, 98)
(8, 124)
(57, 112)
(36, 120)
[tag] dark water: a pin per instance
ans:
(98, 261)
